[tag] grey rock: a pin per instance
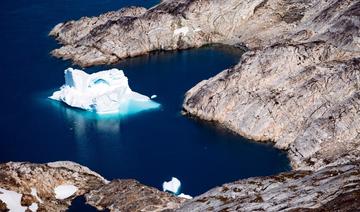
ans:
(130, 195)
(335, 188)
(22, 177)
(118, 195)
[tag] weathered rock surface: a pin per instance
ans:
(130, 195)
(299, 90)
(23, 177)
(123, 195)
(335, 188)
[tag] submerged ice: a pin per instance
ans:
(102, 92)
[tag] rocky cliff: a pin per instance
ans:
(332, 188)
(36, 184)
(297, 86)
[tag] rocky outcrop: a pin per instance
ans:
(300, 91)
(130, 195)
(36, 184)
(305, 102)
(336, 187)
(192, 23)
(328, 189)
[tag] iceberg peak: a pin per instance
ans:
(102, 92)
(172, 186)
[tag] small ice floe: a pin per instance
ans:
(12, 200)
(65, 191)
(181, 31)
(172, 186)
(182, 195)
(103, 92)
(153, 96)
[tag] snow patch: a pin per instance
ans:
(104, 92)
(65, 191)
(181, 31)
(172, 186)
(12, 200)
(34, 207)
(197, 30)
(34, 193)
(182, 195)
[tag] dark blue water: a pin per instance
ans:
(150, 147)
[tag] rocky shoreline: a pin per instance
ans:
(333, 188)
(297, 86)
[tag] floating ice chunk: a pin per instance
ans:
(185, 196)
(12, 200)
(181, 31)
(172, 186)
(101, 92)
(153, 96)
(65, 191)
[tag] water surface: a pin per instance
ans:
(152, 146)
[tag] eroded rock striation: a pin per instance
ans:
(36, 182)
(130, 195)
(334, 188)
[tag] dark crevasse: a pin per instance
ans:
(151, 146)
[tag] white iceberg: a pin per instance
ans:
(65, 191)
(172, 186)
(101, 92)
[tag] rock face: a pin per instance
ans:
(335, 188)
(297, 86)
(130, 195)
(24, 178)
(36, 184)
(298, 89)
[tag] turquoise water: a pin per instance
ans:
(150, 146)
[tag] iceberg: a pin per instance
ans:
(104, 92)
(172, 186)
